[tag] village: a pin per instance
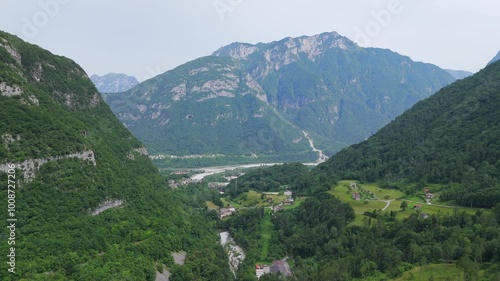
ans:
(367, 200)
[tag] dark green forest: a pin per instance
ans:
(449, 138)
(325, 247)
(59, 112)
(275, 178)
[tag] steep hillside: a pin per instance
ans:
(113, 82)
(451, 137)
(88, 202)
(262, 99)
(334, 89)
(209, 106)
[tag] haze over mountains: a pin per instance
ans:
(259, 102)
(113, 82)
(459, 74)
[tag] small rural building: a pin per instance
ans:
(226, 212)
(289, 201)
(356, 196)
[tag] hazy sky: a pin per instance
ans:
(145, 38)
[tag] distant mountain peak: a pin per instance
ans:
(114, 82)
(311, 46)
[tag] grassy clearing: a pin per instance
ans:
(344, 193)
(254, 199)
(267, 232)
(232, 203)
(437, 271)
(211, 205)
(359, 207)
(384, 194)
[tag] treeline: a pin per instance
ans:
(324, 247)
(269, 179)
(451, 137)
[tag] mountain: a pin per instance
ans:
(85, 200)
(267, 100)
(113, 82)
(459, 74)
(449, 138)
(495, 59)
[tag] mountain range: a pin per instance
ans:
(113, 82)
(269, 101)
(86, 202)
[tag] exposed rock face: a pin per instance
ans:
(238, 51)
(179, 257)
(8, 139)
(286, 51)
(10, 91)
(30, 166)
(235, 253)
(12, 52)
(108, 204)
(142, 151)
(257, 99)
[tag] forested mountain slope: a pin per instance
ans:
(451, 137)
(89, 203)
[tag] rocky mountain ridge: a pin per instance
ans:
(256, 100)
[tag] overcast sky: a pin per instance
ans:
(145, 38)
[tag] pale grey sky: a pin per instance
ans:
(145, 38)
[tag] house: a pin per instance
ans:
(288, 193)
(278, 208)
(218, 185)
(356, 196)
(424, 215)
(353, 185)
(289, 201)
(417, 207)
(226, 212)
(279, 266)
(186, 181)
(282, 267)
(261, 269)
(269, 200)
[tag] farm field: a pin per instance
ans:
(369, 203)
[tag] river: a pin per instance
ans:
(220, 169)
